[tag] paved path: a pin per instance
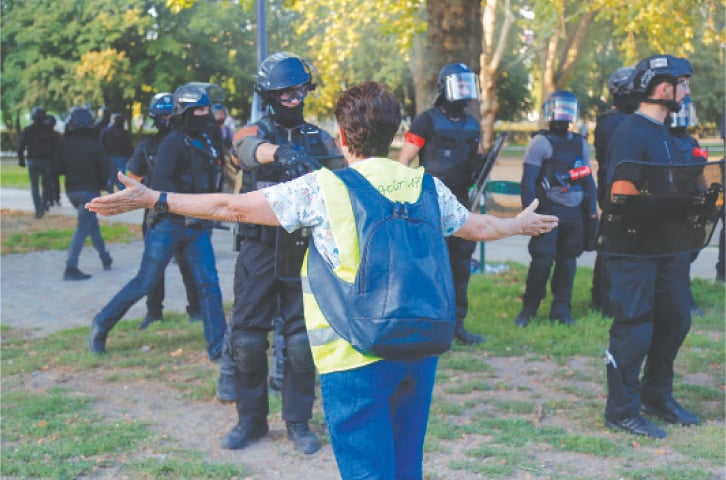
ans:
(33, 295)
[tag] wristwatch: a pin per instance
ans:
(161, 206)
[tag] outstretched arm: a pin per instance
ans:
(484, 227)
(249, 207)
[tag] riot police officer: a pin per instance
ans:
(624, 102)
(267, 274)
(557, 172)
(140, 167)
(186, 162)
(649, 295)
(446, 140)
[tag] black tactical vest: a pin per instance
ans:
(566, 155)
(202, 170)
(447, 155)
(307, 137)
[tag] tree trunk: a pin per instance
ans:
(490, 64)
(454, 35)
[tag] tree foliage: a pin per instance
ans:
(64, 52)
(375, 46)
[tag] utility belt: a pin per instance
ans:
(289, 248)
(256, 233)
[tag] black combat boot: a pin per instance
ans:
(669, 411)
(464, 337)
(246, 431)
(304, 439)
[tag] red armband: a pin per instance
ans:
(414, 139)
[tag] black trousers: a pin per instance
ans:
(259, 296)
(560, 247)
(651, 303)
(460, 252)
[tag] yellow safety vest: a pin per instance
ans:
(396, 182)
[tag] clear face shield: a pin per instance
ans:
(560, 109)
(462, 86)
(686, 116)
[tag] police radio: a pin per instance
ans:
(574, 175)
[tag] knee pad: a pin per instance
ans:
(299, 356)
(249, 351)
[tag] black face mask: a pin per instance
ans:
(195, 124)
(288, 117)
(456, 108)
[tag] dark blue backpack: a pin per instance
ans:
(401, 305)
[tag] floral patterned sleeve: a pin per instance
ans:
(297, 203)
(453, 213)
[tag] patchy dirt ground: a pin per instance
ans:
(198, 425)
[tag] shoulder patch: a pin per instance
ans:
(246, 131)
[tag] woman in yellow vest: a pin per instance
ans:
(376, 410)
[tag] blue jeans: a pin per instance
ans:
(38, 171)
(87, 226)
(377, 417)
(117, 164)
(160, 243)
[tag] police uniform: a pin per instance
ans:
(141, 164)
(267, 285)
(449, 152)
(649, 296)
(551, 156)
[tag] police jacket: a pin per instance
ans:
(80, 157)
(607, 123)
(316, 142)
(141, 162)
(448, 152)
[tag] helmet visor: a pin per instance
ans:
(560, 109)
(461, 86)
(686, 116)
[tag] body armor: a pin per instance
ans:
(447, 155)
(289, 247)
(566, 155)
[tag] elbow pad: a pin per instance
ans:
(245, 150)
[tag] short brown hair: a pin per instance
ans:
(369, 116)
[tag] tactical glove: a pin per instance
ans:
(295, 163)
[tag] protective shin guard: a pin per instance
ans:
(227, 382)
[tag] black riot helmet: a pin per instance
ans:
(656, 69)
(37, 114)
(620, 86)
(195, 94)
(280, 71)
(621, 81)
(456, 83)
(80, 119)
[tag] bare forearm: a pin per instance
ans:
(484, 227)
(488, 227)
(249, 207)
